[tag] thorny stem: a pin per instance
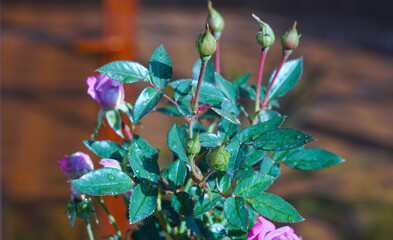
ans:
(264, 104)
(259, 79)
(217, 56)
(110, 216)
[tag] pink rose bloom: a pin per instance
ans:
(265, 230)
(107, 92)
(75, 166)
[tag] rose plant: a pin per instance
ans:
(225, 155)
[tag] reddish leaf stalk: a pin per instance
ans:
(259, 79)
(265, 100)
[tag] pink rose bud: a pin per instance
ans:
(290, 39)
(107, 92)
(110, 163)
(265, 230)
(75, 166)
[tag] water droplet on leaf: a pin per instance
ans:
(111, 177)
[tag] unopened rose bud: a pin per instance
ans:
(193, 146)
(107, 92)
(218, 158)
(265, 35)
(215, 21)
(205, 45)
(75, 166)
(290, 39)
(196, 174)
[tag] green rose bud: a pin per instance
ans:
(265, 35)
(205, 45)
(290, 39)
(218, 158)
(193, 146)
(215, 21)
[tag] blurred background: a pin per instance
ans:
(344, 99)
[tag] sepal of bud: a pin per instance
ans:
(193, 145)
(218, 158)
(215, 21)
(290, 39)
(265, 35)
(205, 45)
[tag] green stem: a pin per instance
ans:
(209, 218)
(89, 231)
(112, 219)
(182, 227)
(188, 185)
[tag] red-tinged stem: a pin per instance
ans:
(166, 96)
(217, 57)
(259, 80)
(264, 104)
(127, 132)
(198, 90)
(171, 100)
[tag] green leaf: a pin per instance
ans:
(106, 149)
(260, 128)
(282, 139)
(226, 129)
(209, 94)
(266, 115)
(160, 67)
(275, 208)
(226, 87)
(312, 159)
(223, 182)
(143, 160)
(242, 80)
(236, 213)
(254, 155)
(244, 172)
(230, 117)
(176, 139)
(143, 202)
(204, 204)
(104, 181)
(125, 71)
(253, 185)
(170, 111)
(177, 173)
(182, 90)
(233, 108)
(250, 91)
(208, 139)
(182, 203)
(236, 161)
(219, 232)
(270, 167)
(114, 119)
(145, 102)
(209, 71)
(286, 79)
